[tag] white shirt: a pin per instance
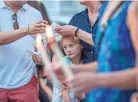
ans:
(16, 67)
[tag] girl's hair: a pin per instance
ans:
(72, 38)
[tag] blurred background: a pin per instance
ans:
(62, 11)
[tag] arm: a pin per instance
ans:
(121, 79)
(85, 37)
(82, 34)
(9, 37)
(65, 95)
(69, 30)
(126, 79)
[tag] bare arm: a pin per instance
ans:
(69, 30)
(87, 37)
(121, 79)
(9, 37)
(65, 95)
(126, 79)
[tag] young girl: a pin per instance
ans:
(72, 49)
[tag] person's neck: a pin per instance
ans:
(93, 8)
(76, 60)
(14, 7)
(93, 13)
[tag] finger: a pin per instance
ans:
(74, 84)
(35, 57)
(38, 58)
(43, 21)
(40, 29)
(134, 100)
(40, 25)
(57, 29)
(134, 97)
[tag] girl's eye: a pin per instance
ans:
(71, 45)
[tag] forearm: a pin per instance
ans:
(85, 37)
(9, 37)
(122, 79)
(66, 97)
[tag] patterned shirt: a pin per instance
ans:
(116, 53)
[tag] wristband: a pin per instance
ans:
(76, 31)
(28, 32)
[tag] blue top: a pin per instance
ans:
(81, 20)
(16, 66)
(116, 53)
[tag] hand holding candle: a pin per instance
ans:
(55, 48)
(45, 57)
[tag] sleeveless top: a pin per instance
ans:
(116, 53)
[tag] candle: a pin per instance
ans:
(45, 57)
(56, 49)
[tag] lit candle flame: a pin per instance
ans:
(56, 50)
(45, 57)
(49, 33)
(38, 40)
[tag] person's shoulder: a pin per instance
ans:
(134, 6)
(77, 17)
(65, 58)
(132, 11)
(80, 14)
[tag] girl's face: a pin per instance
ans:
(71, 48)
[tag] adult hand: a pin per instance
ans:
(37, 59)
(134, 97)
(83, 82)
(67, 30)
(59, 72)
(57, 68)
(38, 27)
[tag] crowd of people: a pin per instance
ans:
(100, 48)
